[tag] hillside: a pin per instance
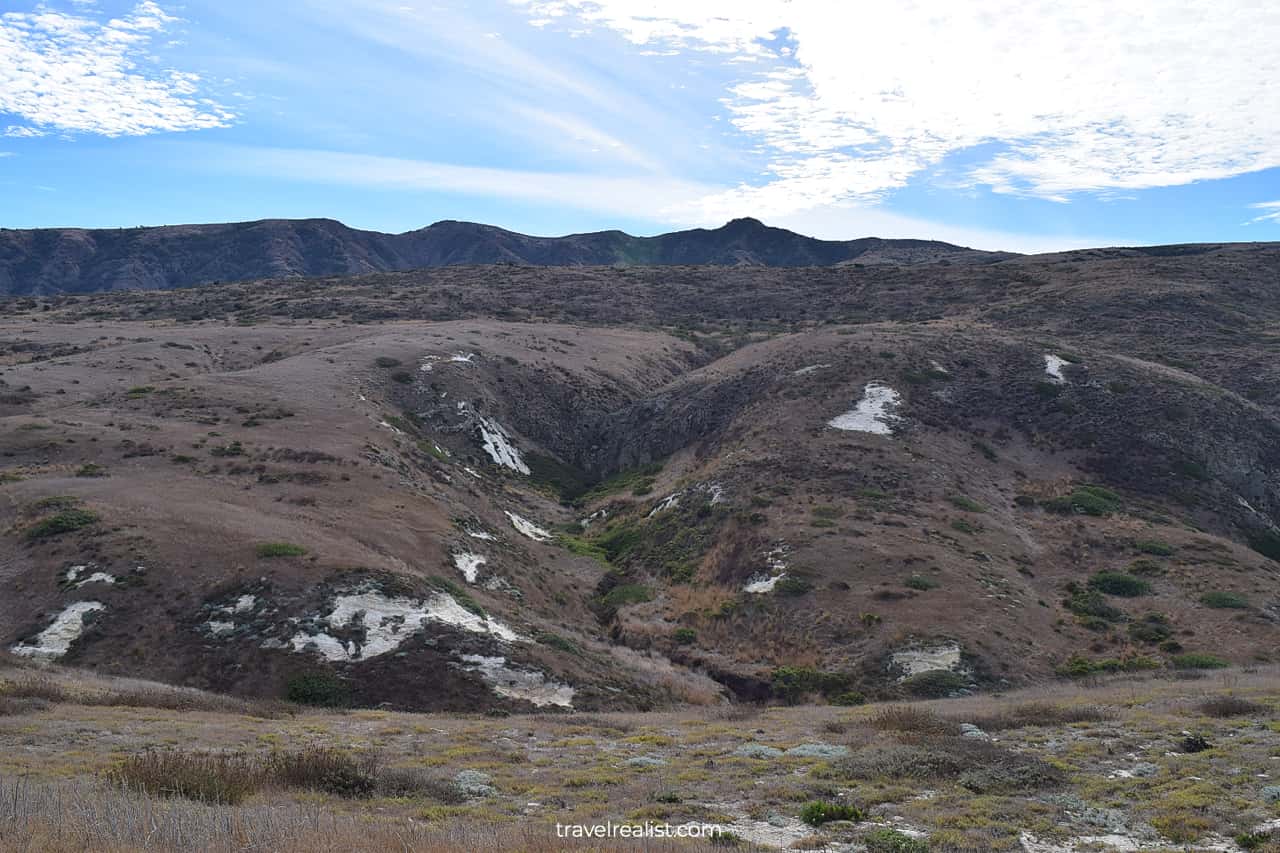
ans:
(69, 260)
(599, 488)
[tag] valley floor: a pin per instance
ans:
(1133, 763)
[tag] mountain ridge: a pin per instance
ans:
(80, 260)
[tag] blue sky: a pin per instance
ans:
(1026, 125)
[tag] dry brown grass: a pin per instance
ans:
(36, 685)
(912, 719)
(1038, 714)
(1231, 706)
(73, 818)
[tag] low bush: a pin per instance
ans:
(1231, 706)
(631, 593)
(1197, 660)
(978, 765)
(1078, 666)
(91, 469)
(1085, 500)
(206, 777)
(321, 689)
(1039, 714)
(684, 636)
(63, 522)
(793, 683)
(1154, 547)
(1224, 600)
(921, 583)
(269, 550)
(792, 585)
(887, 840)
(1151, 628)
(386, 361)
(817, 812)
(966, 503)
(934, 684)
(1119, 584)
(908, 718)
(1266, 543)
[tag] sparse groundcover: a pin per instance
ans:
(966, 503)
(1079, 666)
(91, 469)
(1155, 547)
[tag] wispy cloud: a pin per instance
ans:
(580, 191)
(1271, 212)
(1073, 97)
(76, 73)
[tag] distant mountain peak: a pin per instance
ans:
(45, 261)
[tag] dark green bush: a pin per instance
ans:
(684, 636)
(64, 522)
(1224, 600)
(793, 683)
(1151, 628)
(920, 582)
(1119, 583)
(1085, 500)
(934, 684)
(1266, 543)
(268, 550)
(817, 813)
(321, 689)
(386, 361)
(1155, 547)
(631, 593)
(1198, 660)
(793, 585)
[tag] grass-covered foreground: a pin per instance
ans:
(1134, 763)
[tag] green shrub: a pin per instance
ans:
(967, 504)
(322, 689)
(1151, 628)
(1224, 600)
(817, 813)
(849, 697)
(91, 469)
(1085, 500)
(934, 684)
(1119, 583)
(1154, 546)
(63, 522)
(267, 550)
(963, 526)
(792, 585)
(793, 683)
(618, 539)
(556, 641)
(631, 593)
(1197, 660)
(1078, 666)
(582, 547)
(684, 636)
(1089, 604)
(887, 840)
(920, 582)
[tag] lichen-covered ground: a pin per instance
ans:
(1130, 764)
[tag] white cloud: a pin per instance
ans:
(1271, 214)
(1073, 97)
(6, 153)
(583, 191)
(76, 74)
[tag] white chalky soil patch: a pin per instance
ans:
(813, 368)
(527, 528)
(529, 685)
(499, 447)
(463, 358)
(245, 603)
(469, 565)
(388, 622)
(476, 533)
(875, 413)
(764, 583)
(55, 641)
(1053, 366)
(927, 659)
(669, 502)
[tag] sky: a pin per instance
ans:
(1021, 125)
